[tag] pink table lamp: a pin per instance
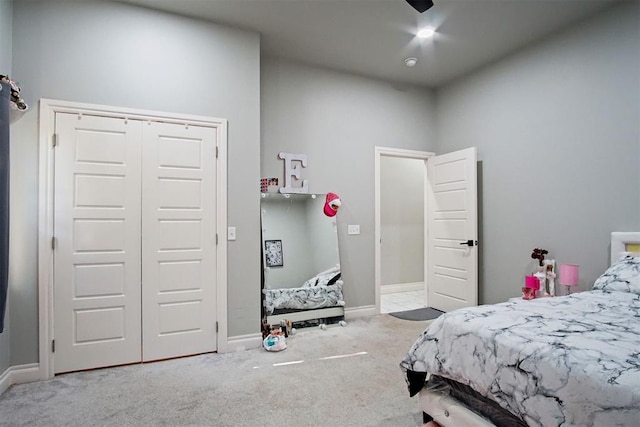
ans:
(568, 276)
(531, 286)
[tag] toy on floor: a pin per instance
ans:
(266, 328)
(285, 327)
(275, 341)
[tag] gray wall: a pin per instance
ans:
(558, 137)
(401, 220)
(6, 19)
(337, 119)
(287, 221)
(323, 234)
(116, 54)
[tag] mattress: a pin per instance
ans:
(571, 361)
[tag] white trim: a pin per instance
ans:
(401, 287)
(221, 252)
(619, 240)
(243, 342)
(48, 109)
(19, 374)
(408, 154)
(5, 380)
(363, 311)
(45, 233)
(27, 373)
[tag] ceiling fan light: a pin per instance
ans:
(420, 5)
(426, 33)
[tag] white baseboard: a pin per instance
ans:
(401, 287)
(243, 342)
(18, 375)
(362, 311)
(5, 380)
(26, 373)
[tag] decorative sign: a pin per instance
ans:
(273, 253)
(292, 172)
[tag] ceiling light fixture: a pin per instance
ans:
(426, 33)
(411, 62)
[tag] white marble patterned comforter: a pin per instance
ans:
(304, 298)
(563, 361)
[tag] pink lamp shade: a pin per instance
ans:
(568, 275)
(532, 282)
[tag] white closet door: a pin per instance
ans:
(97, 257)
(179, 241)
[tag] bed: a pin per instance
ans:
(318, 297)
(570, 361)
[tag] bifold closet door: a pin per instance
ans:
(97, 215)
(178, 240)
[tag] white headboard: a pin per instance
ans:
(619, 242)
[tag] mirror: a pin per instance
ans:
(298, 239)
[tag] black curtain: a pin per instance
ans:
(4, 198)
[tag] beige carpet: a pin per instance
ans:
(243, 388)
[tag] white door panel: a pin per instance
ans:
(452, 220)
(179, 240)
(135, 221)
(97, 228)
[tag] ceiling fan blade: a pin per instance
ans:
(420, 5)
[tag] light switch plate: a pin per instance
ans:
(231, 233)
(353, 229)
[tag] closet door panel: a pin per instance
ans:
(178, 244)
(97, 213)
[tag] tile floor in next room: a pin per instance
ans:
(401, 301)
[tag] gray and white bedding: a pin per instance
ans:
(570, 361)
(321, 291)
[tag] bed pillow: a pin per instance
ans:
(326, 279)
(622, 276)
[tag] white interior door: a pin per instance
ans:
(179, 240)
(452, 223)
(97, 229)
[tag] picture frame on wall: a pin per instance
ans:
(273, 253)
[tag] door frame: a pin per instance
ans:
(405, 154)
(48, 109)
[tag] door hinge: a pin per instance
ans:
(53, 346)
(216, 151)
(54, 140)
(53, 243)
(216, 238)
(216, 327)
